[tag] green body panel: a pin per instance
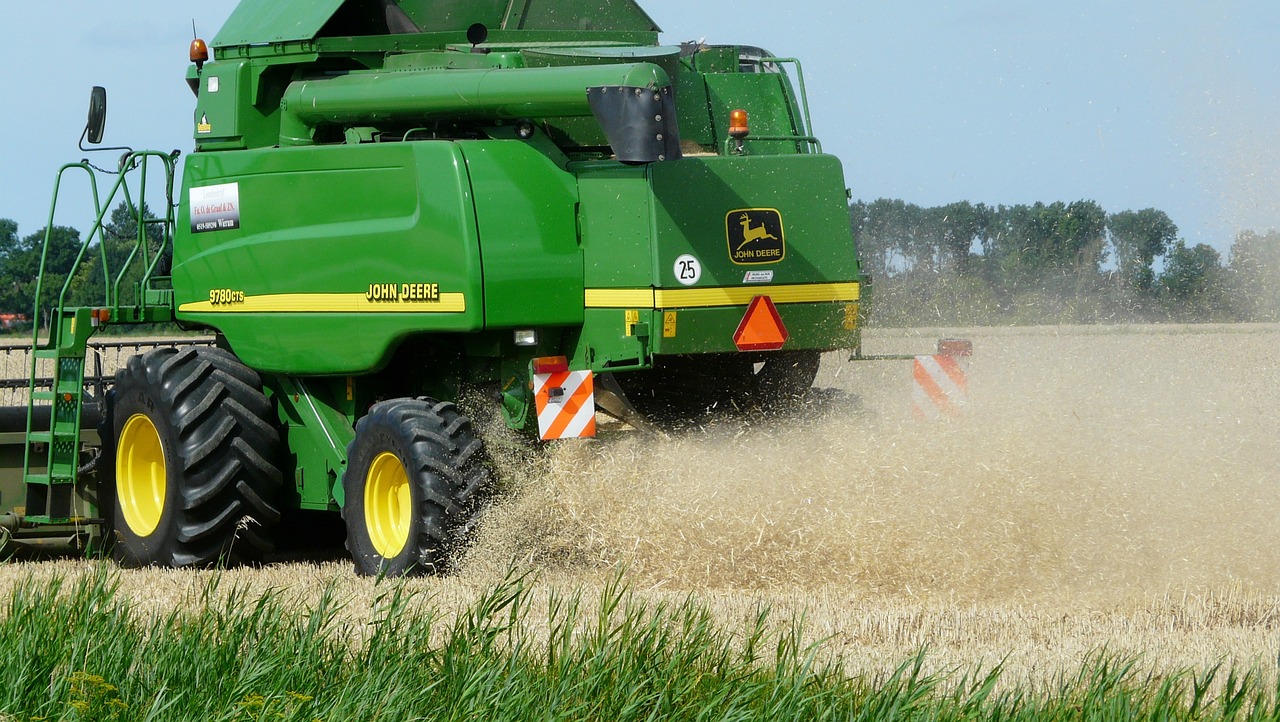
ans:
(665, 57)
(617, 225)
(257, 22)
(273, 21)
(320, 227)
(638, 221)
(576, 15)
(697, 126)
(604, 343)
(710, 330)
(712, 82)
(766, 97)
(238, 106)
(226, 98)
(437, 15)
(526, 206)
(806, 190)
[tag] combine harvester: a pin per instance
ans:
(391, 201)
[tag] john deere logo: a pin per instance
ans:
(755, 236)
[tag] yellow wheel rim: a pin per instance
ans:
(140, 475)
(388, 505)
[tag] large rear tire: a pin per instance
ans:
(783, 377)
(415, 475)
(195, 447)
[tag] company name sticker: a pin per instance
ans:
(403, 292)
(215, 208)
(758, 277)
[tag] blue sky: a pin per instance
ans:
(1173, 105)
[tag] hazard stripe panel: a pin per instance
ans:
(566, 405)
(941, 388)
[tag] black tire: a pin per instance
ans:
(782, 378)
(194, 446)
(414, 480)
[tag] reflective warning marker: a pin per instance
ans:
(566, 405)
(761, 328)
(941, 388)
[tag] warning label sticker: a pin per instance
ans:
(215, 208)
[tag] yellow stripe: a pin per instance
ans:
(620, 298)
(329, 303)
(713, 297)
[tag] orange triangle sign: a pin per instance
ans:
(761, 328)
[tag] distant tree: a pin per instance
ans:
(119, 238)
(882, 231)
(1192, 281)
(1139, 237)
(1081, 238)
(962, 225)
(12, 298)
(1044, 263)
(1253, 276)
(897, 237)
(20, 267)
(1028, 244)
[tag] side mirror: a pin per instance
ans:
(97, 114)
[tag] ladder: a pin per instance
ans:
(52, 459)
(51, 462)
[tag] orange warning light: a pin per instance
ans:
(199, 53)
(761, 328)
(738, 126)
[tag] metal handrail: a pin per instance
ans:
(805, 135)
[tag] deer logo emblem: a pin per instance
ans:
(750, 234)
(755, 236)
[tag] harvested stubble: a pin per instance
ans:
(1108, 488)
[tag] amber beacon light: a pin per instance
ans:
(199, 53)
(739, 128)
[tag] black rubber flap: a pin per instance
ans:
(640, 123)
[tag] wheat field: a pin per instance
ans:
(1109, 489)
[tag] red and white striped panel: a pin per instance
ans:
(566, 405)
(941, 389)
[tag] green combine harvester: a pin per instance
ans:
(393, 201)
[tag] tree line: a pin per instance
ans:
(971, 264)
(20, 264)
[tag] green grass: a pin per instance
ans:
(76, 651)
